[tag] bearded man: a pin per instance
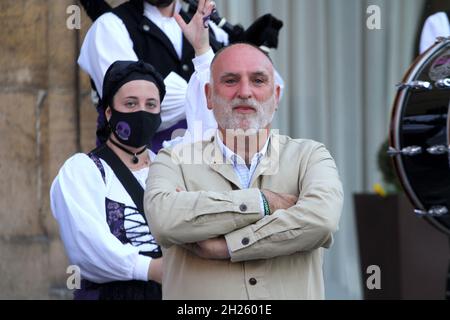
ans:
(250, 216)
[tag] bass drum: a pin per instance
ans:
(420, 134)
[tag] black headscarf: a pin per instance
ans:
(121, 72)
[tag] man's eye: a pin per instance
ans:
(130, 104)
(151, 105)
(259, 81)
(230, 81)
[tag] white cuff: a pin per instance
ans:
(203, 61)
(140, 271)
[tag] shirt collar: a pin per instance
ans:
(236, 159)
(154, 14)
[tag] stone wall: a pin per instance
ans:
(45, 116)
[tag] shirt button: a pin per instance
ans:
(245, 241)
(252, 281)
(243, 207)
(185, 67)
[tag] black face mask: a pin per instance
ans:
(134, 129)
(160, 3)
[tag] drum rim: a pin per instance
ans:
(394, 137)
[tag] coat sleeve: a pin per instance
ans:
(191, 216)
(308, 225)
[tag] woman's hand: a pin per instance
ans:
(155, 270)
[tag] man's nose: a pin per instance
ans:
(245, 91)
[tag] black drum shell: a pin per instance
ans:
(420, 117)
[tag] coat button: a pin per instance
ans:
(243, 207)
(146, 27)
(252, 281)
(185, 68)
(245, 241)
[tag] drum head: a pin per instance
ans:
(419, 134)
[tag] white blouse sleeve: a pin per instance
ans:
(200, 120)
(106, 42)
(436, 25)
(174, 107)
(78, 204)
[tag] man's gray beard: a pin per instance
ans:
(226, 119)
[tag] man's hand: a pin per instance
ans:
(215, 248)
(195, 31)
(155, 270)
(279, 200)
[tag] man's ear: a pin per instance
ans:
(277, 94)
(208, 91)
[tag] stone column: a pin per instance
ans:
(45, 117)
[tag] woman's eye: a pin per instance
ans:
(130, 104)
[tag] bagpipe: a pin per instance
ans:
(262, 33)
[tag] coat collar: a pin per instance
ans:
(268, 165)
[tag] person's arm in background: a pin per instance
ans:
(436, 25)
(106, 42)
(78, 204)
(201, 123)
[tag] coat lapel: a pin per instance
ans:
(269, 164)
(216, 162)
(226, 171)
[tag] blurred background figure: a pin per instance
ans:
(436, 25)
(435, 22)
